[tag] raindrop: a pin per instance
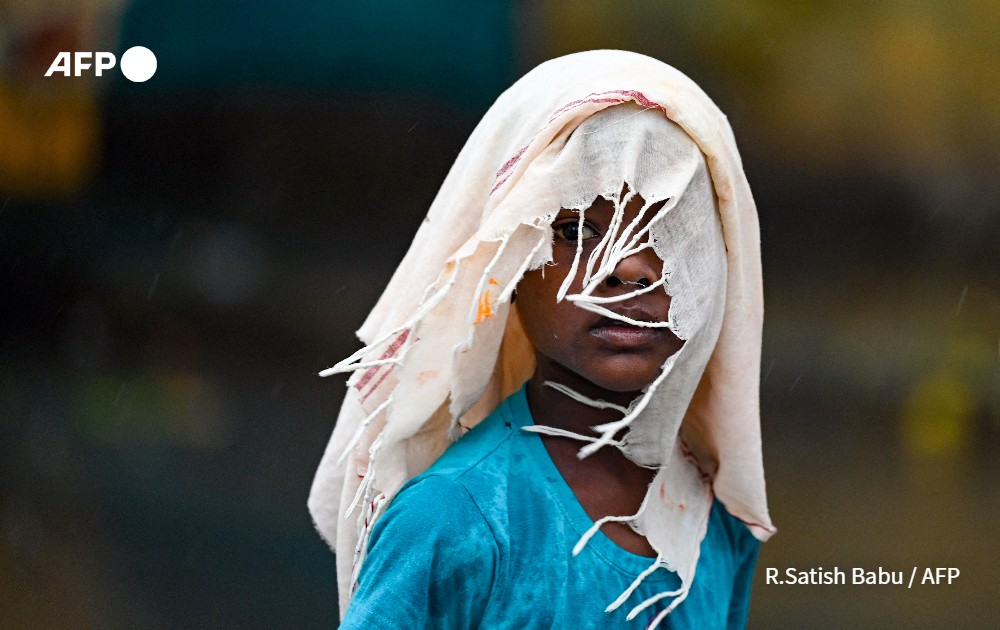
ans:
(152, 287)
(767, 373)
(961, 300)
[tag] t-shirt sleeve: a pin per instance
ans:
(431, 562)
(746, 549)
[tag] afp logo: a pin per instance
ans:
(138, 63)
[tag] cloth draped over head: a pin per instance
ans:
(443, 345)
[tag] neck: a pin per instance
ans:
(553, 408)
(606, 482)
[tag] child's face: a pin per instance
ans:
(573, 343)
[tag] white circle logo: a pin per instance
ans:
(138, 63)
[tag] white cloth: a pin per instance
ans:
(444, 346)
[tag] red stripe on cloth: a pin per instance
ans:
(766, 528)
(512, 161)
(370, 373)
(371, 391)
(691, 457)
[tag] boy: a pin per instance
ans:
(594, 196)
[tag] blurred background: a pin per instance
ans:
(179, 258)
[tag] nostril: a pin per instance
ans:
(615, 281)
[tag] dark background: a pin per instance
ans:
(179, 258)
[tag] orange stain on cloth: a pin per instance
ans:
(485, 311)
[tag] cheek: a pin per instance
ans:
(534, 307)
(541, 316)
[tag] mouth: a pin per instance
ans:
(624, 335)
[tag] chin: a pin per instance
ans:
(625, 381)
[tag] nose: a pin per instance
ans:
(640, 269)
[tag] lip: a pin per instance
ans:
(626, 336)
(622, 335)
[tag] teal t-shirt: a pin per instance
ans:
(484, 539)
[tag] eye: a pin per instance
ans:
(571, 231)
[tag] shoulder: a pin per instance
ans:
(432, 555)
(440, 549)
(431, 504)
(459, 489)
(731, 559)
(732, 531)
(482, 446)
